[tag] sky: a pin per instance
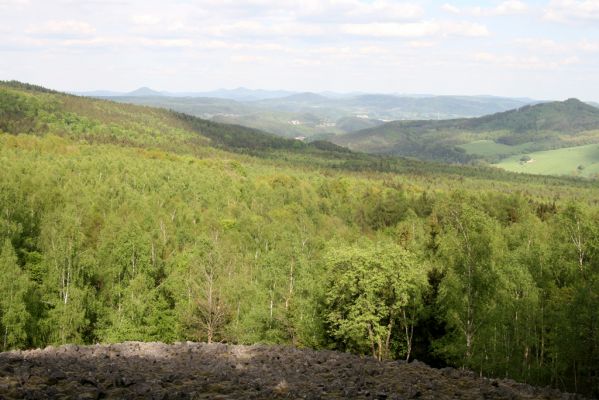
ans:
(542, 49)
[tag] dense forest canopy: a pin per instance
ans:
(121, 222)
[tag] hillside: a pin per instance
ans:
(310, 114)
(530, 128)
(30, 109)
(197, 370)
(121, 222)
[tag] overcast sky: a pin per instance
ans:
(545, 49)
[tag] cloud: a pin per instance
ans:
(13, 4)
(258, 28)
(421, 44)
(531, 62)
(382, 10)
(541, 44)
(67, 28)
(21, 43)
(509, 7)
(146, 19)
(331, 10)
(553, 47)
(127, 41)
(587, 46)
(373, 50)
(416, 29)
(451, 9)
(247, 59)
(572, 10)
(6, 3)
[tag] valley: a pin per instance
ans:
(317, 115)
(494, 134)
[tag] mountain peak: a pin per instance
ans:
(306, 96)
(573, 100)
(144, 91)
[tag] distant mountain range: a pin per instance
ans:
(529, 128)
(239, 94)
(314, 115)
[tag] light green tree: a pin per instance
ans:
(13, 288)
(372, 298)
(470, 248)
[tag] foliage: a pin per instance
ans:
(373, 294)
(121, 222)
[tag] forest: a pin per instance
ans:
(122, 222)
(530, 128)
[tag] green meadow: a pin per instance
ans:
(580, 160)
(489, 148)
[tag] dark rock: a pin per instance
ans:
(190, 370)
(89, 395)
(56, 376)
(141, 389)
(88, 381)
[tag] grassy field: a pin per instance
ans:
(488, 148)
(557, 162)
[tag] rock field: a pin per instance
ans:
(134, 370)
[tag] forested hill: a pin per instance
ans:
(28, 108)
(31, 109)
(568, 117)
(542, 126)
(122, 222)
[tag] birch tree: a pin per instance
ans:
(13, 287)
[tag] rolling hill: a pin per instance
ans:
(322, 115)
(530, 128)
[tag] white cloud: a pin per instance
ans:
(420, 44)
(68, 27)
(247, 59)
(508, 7)
(464, 29)
(315, 10)
(13, 4)
(588, 46)
(531, 62)
(108, 41)
(257, 28)
(306, 62)
(21, 43)
(373, 50)
(416, 29)
(146, 19)
(383, 10)
(572, 10)
(541, 44)
(451, 9)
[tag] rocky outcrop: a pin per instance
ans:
(216, 371)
